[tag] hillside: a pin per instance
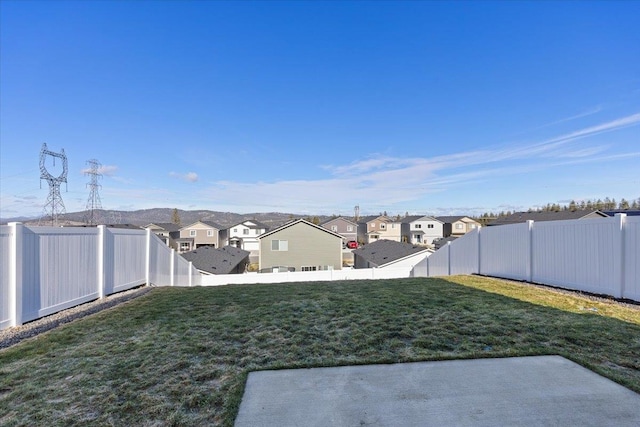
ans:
(147, 216)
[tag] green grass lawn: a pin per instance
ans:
(180, 356)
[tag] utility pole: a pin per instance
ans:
(92, 217)
(54, 206)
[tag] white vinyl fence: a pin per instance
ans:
(595, 255)
(44, 270)
(307, 276)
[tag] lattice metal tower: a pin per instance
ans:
(54, 206)
(92, 216)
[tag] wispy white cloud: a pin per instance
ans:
(396, 179)
(189, 176)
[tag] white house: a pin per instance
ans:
(244, 235)
(424, 229)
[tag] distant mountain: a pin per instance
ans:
(147, 216)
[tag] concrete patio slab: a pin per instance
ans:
(519, 391)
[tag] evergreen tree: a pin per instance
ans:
(175, 216)
(623, 204)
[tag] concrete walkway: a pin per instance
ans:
(519, 391)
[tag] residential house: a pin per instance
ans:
(344, 227)
(519, 217)
(383, 227)
(457, 225)
(424, 229)
(386, 253)
(226, 260)
(198, 234)
(301, 246)
(168, 232)
(245, 234)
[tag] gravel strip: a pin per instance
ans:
(12, 336)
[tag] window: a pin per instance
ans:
(210, 233)
(383, 226)
(279, 245)
(418, 225)
(193, 233)
(245, 231)
(309, 268)
(185, 246)
(458, 226)
(373, 225)
(393, 226)
(334, 228)
(429, 225)
(349, 227)
(235, 230)
(472, 226)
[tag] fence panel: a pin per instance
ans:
(631, 288)
(579, 254)
(60, 269)
(128, 255)
(183, 271)
(505, 251)
(159, 262)
(463, 255)
(6, 234)
(438, 262)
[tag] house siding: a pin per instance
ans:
(307, 246)
(342, 228)
(201, 238)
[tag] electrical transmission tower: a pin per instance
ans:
(92, 216)
(54, 206)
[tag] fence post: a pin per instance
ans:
(449, 258)
(172, 267)
(190, 273)
(479, 250)
(101, 261)
(15, 273)
(530, 249)
(621, 222)
(148, 258)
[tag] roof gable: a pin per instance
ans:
(209, 224)
(298, 221)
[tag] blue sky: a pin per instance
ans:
(315, 107)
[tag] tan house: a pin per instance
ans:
(385, 228)
(300, 246)
(200, 233)
(457, 226)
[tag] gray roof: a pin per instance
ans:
(385, 251)
(297, 221)
(216, 261)
(450, 219)
(519, 217)
(167, 226)
(336, 218)
(411, 218)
